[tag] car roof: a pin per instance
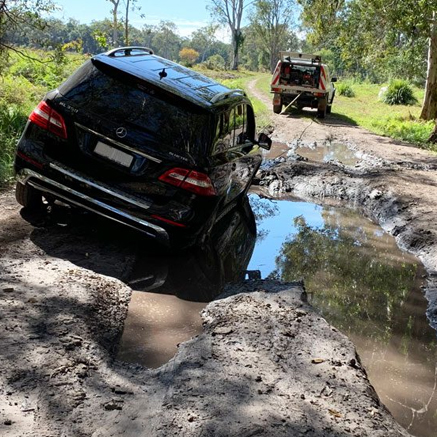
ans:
(170, 76)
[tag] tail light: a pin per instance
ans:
(194, 181)
(48, 119)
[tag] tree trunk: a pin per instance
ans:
(114, 30)
(235, 49)
(126, 25)
(433, 136)
(429, 108)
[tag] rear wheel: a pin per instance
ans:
(277, 109)
(28, 197)
(328, 109)
(322, 108)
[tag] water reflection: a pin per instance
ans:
(363, 284)
(321, 152)
(171, 290)
(328, 152)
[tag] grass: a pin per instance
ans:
(396, 121)
(240, 80)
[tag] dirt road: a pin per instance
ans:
(265, 364)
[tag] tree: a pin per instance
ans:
(230, 12)
(114, 13)
(382, 29)
(188, 56)
(130, 6)
(203, 40)
(16, 14)
(165, 40)
(271, 21)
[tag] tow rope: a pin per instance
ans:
(291, 103)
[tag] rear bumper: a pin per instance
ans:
(76, 198)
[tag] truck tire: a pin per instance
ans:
(277, 109)
(28, 197)
(322, 108)
(329, 108)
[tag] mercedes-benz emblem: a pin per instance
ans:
(121, 132)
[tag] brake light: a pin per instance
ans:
(194, 181)
(48, 119)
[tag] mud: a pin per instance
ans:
(265, 364)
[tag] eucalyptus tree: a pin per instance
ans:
(166, 42)
(376, 32)
(271, 21)
(230, 13)
(17, 14)
(115, 24)
(204, 39)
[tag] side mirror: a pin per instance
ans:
(264, 141)
(334, 79)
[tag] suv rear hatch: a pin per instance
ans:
(124, 133)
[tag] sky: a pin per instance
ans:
(188, 15)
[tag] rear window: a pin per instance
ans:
(112, 95)
(300, 74)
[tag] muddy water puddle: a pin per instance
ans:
(320, 152)
(170, 290)
(354, 275)
(360, 281)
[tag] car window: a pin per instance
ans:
(233, 129)
(172, 123)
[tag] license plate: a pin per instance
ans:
(114, 154)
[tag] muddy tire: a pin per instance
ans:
(328, 109)
(28, 197)
(277, 109)
(322, 108)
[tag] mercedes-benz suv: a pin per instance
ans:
(143, 141)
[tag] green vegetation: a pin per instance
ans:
(399, 92)
(240, 80)
(400, 122)
(24, 82)
(344, 89)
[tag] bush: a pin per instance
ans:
(399, 92)
(215, 62)
(343, 89)
(12, 122)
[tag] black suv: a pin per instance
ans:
(143, 141)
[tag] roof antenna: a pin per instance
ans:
(162, 74)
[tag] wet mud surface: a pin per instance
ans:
(65, 301)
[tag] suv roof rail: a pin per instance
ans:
(225, 94)
(315, 59)
(127, 51)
